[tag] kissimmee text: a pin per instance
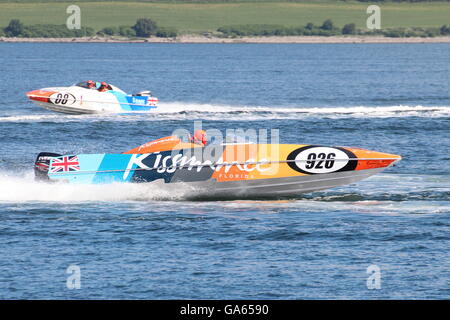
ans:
(170, 163)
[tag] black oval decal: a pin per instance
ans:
(321, 159)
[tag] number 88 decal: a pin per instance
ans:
(317, 159)
(62, 98)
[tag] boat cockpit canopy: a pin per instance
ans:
(87, 85)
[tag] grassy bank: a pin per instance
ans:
(200, 17)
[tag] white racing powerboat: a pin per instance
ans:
(92, 97)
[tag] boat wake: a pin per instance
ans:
(192, 111)
(24, 188)
(413, 194)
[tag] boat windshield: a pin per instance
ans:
(85, 85)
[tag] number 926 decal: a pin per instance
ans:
(317, 159)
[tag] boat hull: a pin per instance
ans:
(264, 188)
(74, 110)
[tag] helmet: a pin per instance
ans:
(104, 84)
(90, 83)
(200, 136)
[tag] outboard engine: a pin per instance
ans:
(41, 165)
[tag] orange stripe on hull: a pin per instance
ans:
(39, 95)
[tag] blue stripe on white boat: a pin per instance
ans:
(122, 99)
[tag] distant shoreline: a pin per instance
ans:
(207, 39)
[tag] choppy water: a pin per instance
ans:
(132, 241)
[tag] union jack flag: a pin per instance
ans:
(66, 163)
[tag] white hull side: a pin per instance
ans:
(67, 110)
(77, 109)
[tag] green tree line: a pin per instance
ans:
(142, 28)
(327, 29)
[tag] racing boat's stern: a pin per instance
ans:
(42, 165)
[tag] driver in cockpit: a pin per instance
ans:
(199, 137)
(91, 84)
(103, 87)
